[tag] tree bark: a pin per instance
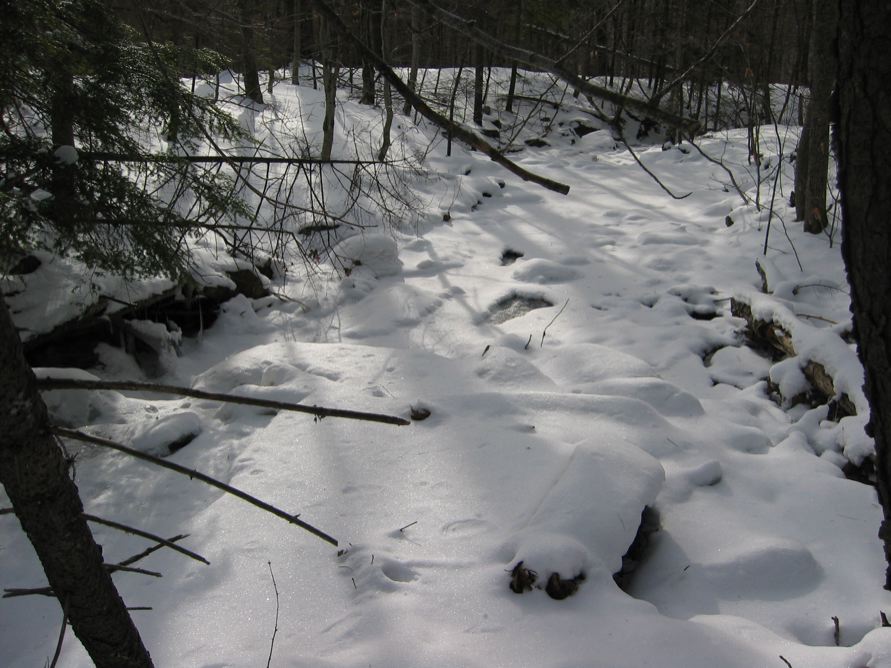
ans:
(248, 52)
(864, 143)
(34, 472)
(810, 190)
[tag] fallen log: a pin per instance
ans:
(777, 341)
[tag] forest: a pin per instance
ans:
(436, 333)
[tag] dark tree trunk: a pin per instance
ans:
(864, 140)
(388, 93)
(298, 43)
(811, 181)
(34, 473)
(415, 54)
(372, 39)
(248, 52)
(478, 85)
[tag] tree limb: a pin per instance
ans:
(144, 534)
(196, 475)
(317, 411)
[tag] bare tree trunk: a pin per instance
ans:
(366, 18)
(298, 43)
(478, 83)
(329, 83)
(415, 55)
(388, 95)
(812, 177)
(35, 474)
(248, 52)
(864, 140)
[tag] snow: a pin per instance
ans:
(549, 432)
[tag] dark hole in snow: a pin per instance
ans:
(703, 314)
(487, 194)
(536, 142)
(580, 129)
(180, 443)
(515, 305)
(491, 132)
(509, 256)
(26, 264)
(639, 549)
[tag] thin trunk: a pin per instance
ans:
(823, 65)
(298, 45)
(388, 96)
(864, 139)
(35, 474)
(478, 83)
(415, 55)
(64, 175)
(329, 82)
(372, 36)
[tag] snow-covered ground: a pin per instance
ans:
(549, 431)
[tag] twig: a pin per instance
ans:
(729, 172)
(785, 661)
(836, 633)
(61, 633)
(139, 532)
(15, 592)
(113, 568)
(317, 411)
(274, 630)
(545, 330)
(197, 475)
(150, 550)
(652, 176)
(140, 607)
(407, 526)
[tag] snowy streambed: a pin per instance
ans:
(550, 430)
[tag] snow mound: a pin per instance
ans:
(376, 252)
(590, 515)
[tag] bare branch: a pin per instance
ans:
(195, 475)
(144, 534)
(317, 411)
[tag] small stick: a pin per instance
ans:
(274, 630)
(317, 411)
(15, 592)
(149, 550)
(836, 635)
(113, 568)
(407, 526)
(783, 658)
(140, 607)
(553, 320)
(145, 534)
(651, 174)
(196, 475)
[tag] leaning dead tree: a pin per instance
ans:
(456, 130)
